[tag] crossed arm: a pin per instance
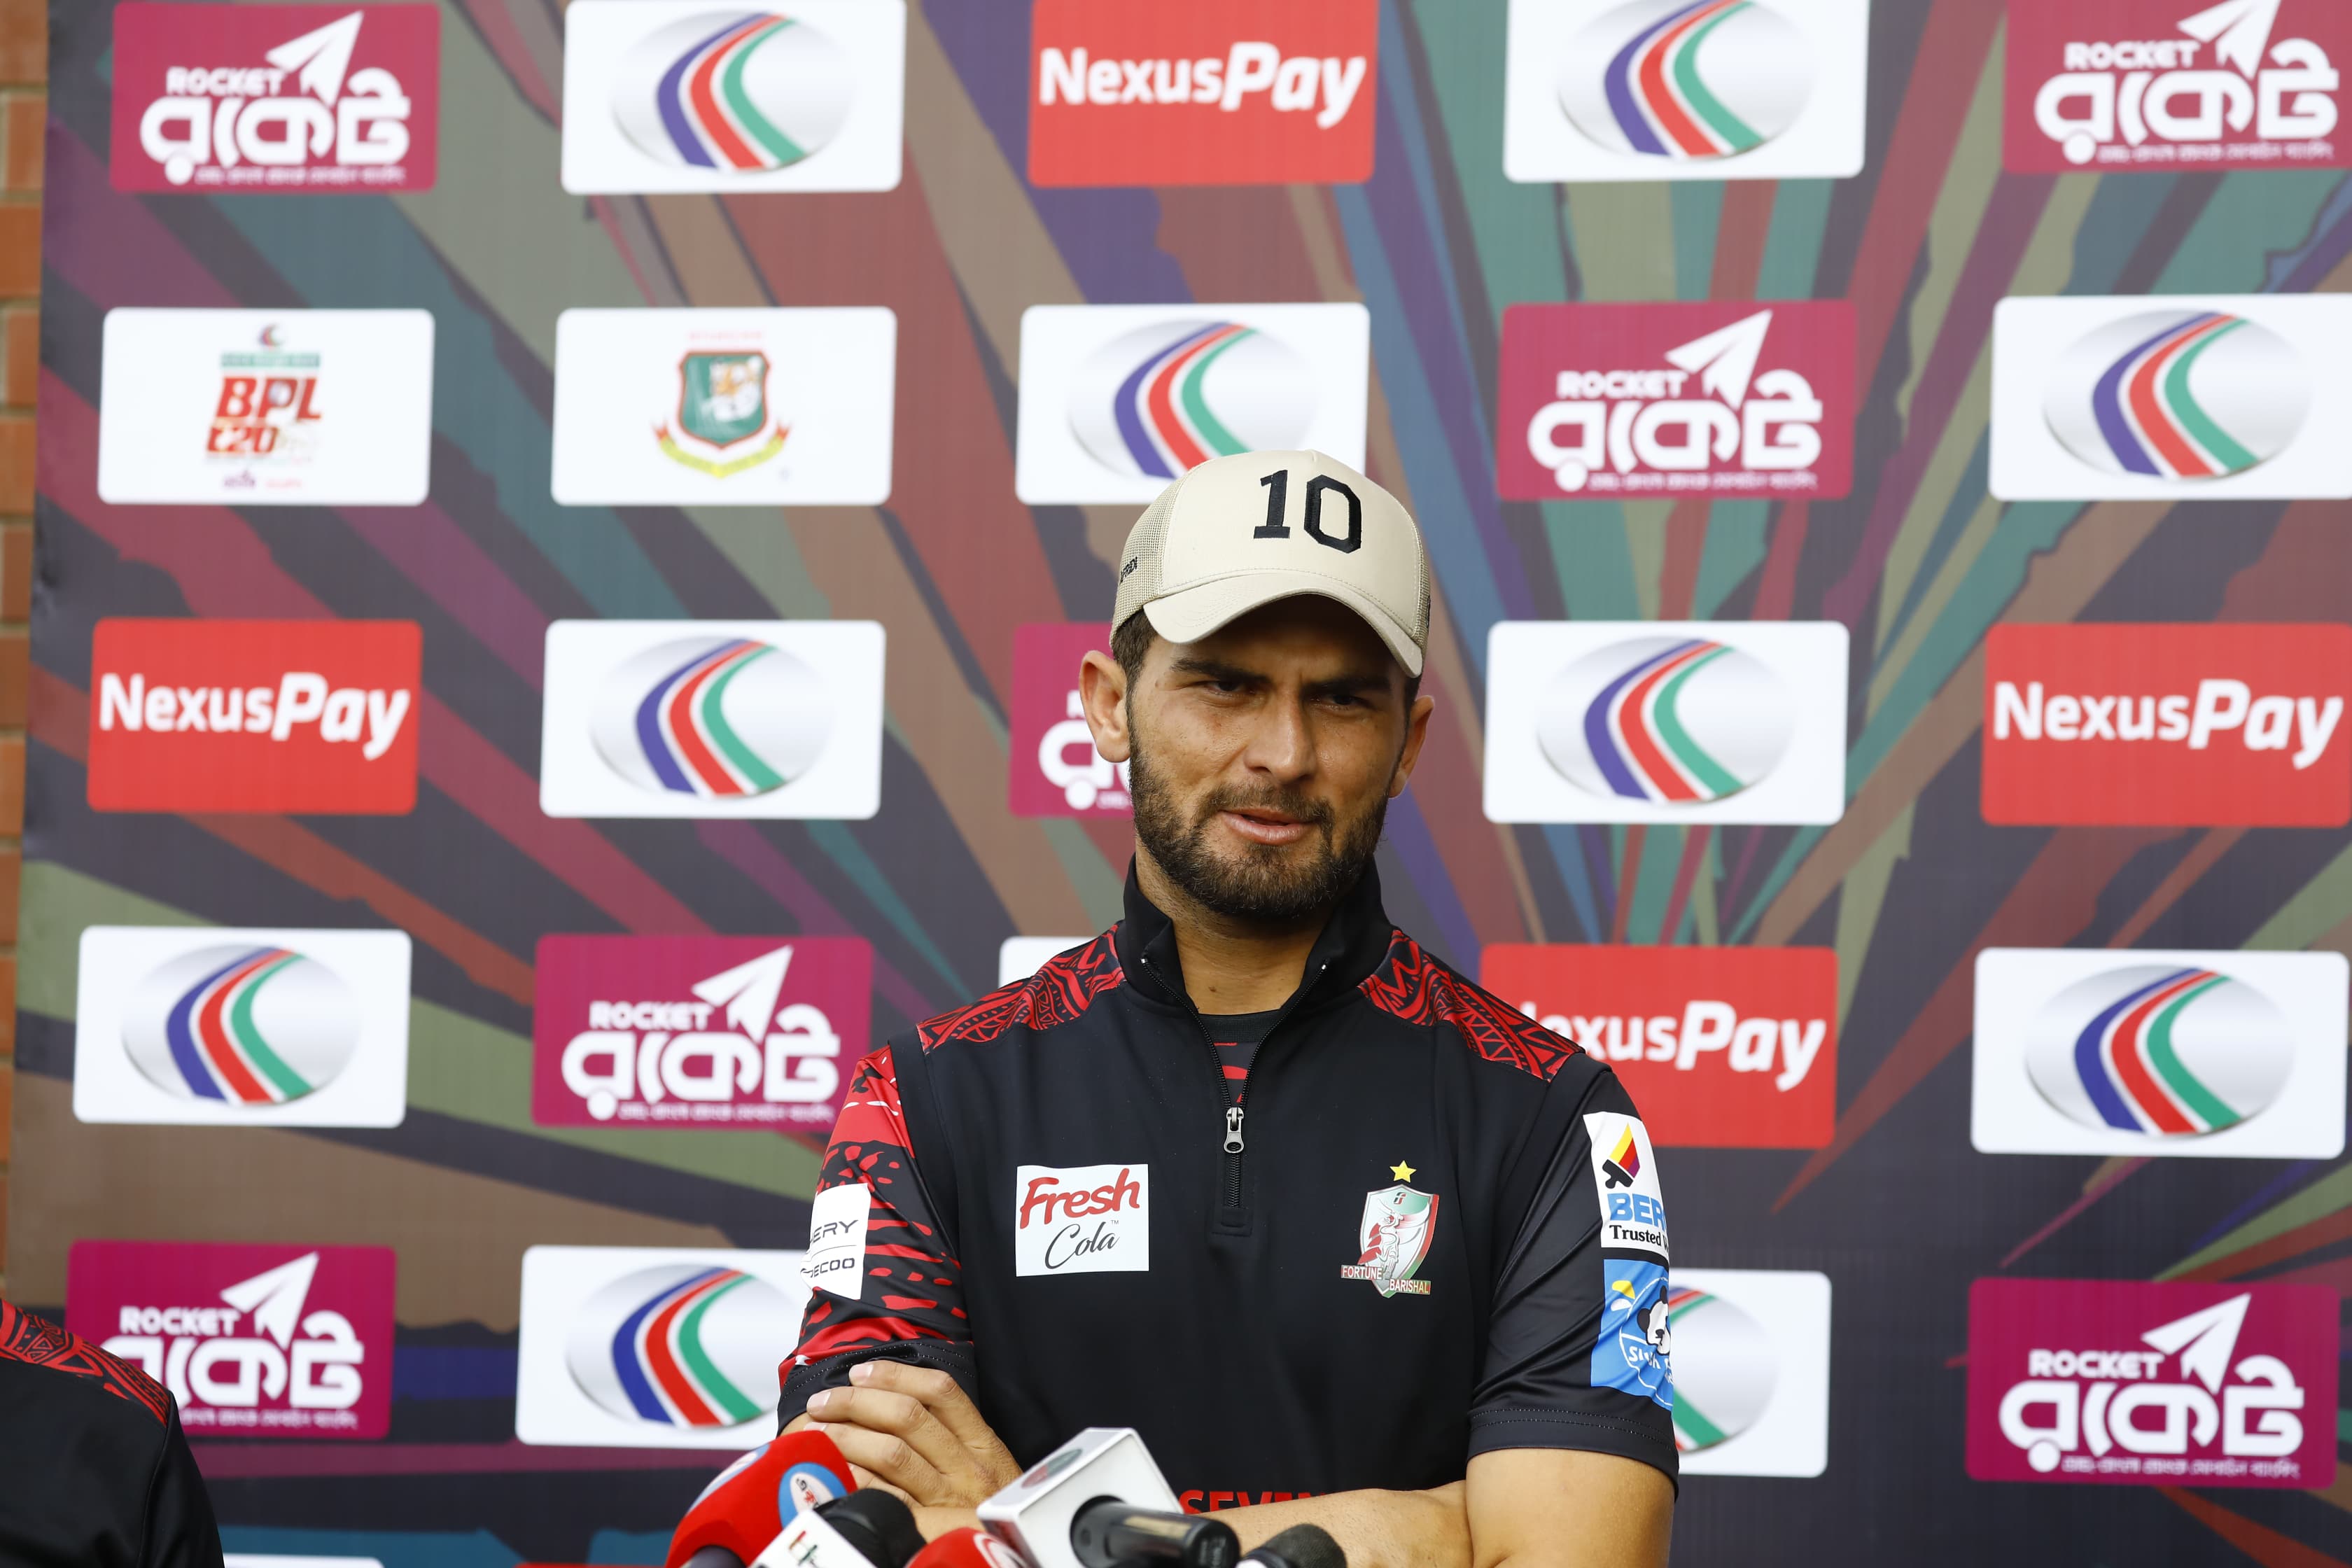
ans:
(915, 1431)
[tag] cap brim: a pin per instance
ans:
(1190, 614)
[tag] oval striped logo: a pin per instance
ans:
(2178, 395)
(2162, 1049)
(1668, 720)
(1162, 398)
(683, 1344)
(239, 1024)
(719, 718)
(739, 92)
(1725, 1368)
(1675, 79)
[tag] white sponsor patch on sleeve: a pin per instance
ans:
(837, 1248)
(1625, 1171)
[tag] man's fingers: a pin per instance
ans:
(897, 1415)
(947, 1401)
(891, 1460)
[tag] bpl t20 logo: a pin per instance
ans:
(2133, 84)
(1604, 400)
(262, 99)
(1056, 771)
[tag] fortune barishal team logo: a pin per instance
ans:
(2208, 397)
(655, 1347)
(1118, 400)
(1684, 89)
(1643, 722)
(712, 718)
(2190, 1053)
(680, 95)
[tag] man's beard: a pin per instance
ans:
(1259, 885)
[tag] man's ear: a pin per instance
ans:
(1416, 731)
(1102, 692)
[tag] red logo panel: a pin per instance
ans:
(697, 1031)
(262, 716)
(2176, 725)
(2174, 85)
(303, 99)
(1721, 1048)
(1056, 771)
(1723, 399)
(2128, 1383)
(1215, 92)
(254, 1341)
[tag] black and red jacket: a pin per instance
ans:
(1430, 1227)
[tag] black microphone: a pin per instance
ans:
(875, 1525)
(1108, 1534)
(1300, 1546)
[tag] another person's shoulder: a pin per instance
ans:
(56, 1367)
(1064, 987)
(1413, 985)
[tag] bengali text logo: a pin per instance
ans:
(1155, 401)
(2160, 1049)
(722, 718)
(245, 1025)
(737, 93)
(1680, 720)
(1670, 79)
(2174, 395)
(683, 1344)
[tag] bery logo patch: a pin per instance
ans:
(1056, 771)
(2118, 85)
(254, 1341)
(2126, 1383)
(254, 716)
(2168, 725)
(1719, 399)
(696, 1031)
(250, 99)
(837, 1248)
(1085, 1219)
(1720, 1047)
(1217, 92)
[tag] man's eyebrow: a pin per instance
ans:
(1213, 668)
(1348, 682)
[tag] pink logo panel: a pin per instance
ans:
(1056, 771)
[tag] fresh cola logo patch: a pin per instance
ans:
(1217, 92)
(1083, 1219)
(696, 1031)
(1056, 771)
(1732, 1048)
(253, 1342)
(2130, 1383)
(2118, 85)
(267, 98)
(2168, 725)
(1713, 399)
(264, 716)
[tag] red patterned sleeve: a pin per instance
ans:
(908, 1301)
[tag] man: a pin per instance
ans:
(94, 1470)
(1346, 1238)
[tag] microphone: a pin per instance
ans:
(745, 1506)
(867, 1529)
(1300, 1546)
(1110, 1534)
(1035, 1515)
(968, 1548)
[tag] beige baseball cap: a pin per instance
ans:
(1244, 531)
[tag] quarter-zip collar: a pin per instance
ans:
(1351, 946)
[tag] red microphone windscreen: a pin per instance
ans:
(745, 1506)
(968, 1548)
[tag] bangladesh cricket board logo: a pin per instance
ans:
(723, 426)
(1393, 1239)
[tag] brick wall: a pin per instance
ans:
(24, 68)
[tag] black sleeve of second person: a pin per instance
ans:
(181, 1530)
(1553, 1297)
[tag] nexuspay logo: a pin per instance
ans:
(653, 1347)
(1118, 400)
(227, 1027)
(2214, 396)
(1684, 89)
(1751, 1350)
(2237, 1054)
(712, 718)
(682, 95)
(1665, 721)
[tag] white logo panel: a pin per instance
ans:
(1118, 400)
(779, 719)
(1019, 957)
(2135, 1052)
(266, 407)
(1751, 1350)
(1669, 90)
(1082, 1220)
(724, 407)
(836, 1249)
(1665, 721)
(687, 95)
(225, 1026)
(2178, 396)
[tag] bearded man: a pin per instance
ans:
(1346, 1238)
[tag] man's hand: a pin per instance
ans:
(914, 1431)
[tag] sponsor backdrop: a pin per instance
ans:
(565, 537)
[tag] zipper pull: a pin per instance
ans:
(1233, 1130)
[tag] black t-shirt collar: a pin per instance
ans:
(1354, 941)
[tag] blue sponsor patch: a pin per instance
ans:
(1633, 1351)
